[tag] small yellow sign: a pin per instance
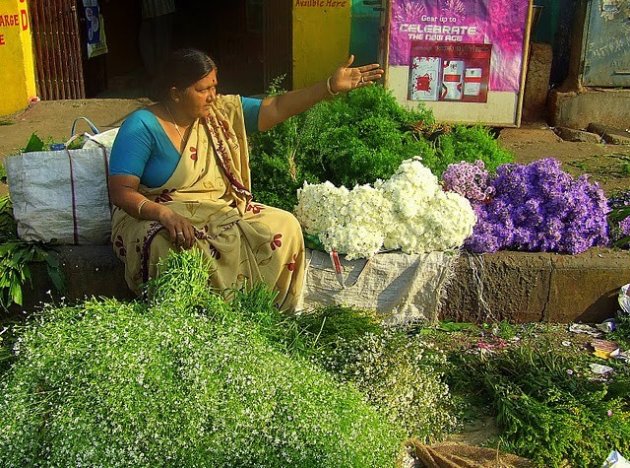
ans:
(17, 73)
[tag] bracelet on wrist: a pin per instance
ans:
(329, 87)
(141, 204)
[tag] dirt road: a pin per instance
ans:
(607, 164)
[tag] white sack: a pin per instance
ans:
(61, 197)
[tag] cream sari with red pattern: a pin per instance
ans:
(249, 242)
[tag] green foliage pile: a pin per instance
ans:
(358, 138)
(185, 380)
(468, 144)
(398, 373)
(6, 344)
(622, 333)
(546, 405)
(15, 256)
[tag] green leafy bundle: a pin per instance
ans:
(358, 138)
(547, 408)
(468, 144)
(185, 380)
(15, 257)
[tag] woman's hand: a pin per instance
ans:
(276, 109)
(180, 230)
(347, 78)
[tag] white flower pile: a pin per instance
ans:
(410, 212)
(347, 221)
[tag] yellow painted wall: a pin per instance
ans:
(17, 68)
(321, 38)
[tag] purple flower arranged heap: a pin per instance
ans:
(535, 207)
(469, 180)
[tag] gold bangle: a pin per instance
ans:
(329, 88)
(141, 204)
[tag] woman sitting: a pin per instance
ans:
(180, 178)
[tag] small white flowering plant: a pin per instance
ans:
(399, 372)
(186, 379)
(409, 211)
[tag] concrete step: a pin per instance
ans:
(537, 287)
(515, 286)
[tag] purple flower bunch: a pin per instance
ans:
(624, 226)
(469, 180)
(538, 208)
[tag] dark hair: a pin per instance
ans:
(181, 69)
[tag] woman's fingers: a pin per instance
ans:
(373, 77)
(348, 62)
(190, 237)
(368, 68)
(182, 234)
(186, 235)
(368, 74)
(172, 233)
(183, 237)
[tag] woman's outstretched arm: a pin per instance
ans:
(276, 109)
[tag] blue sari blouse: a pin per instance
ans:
(143, 149)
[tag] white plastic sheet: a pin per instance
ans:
(402, 287)
(624, 299)
(105, 138)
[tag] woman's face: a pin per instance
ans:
(196, 99)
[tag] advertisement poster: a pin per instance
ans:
(449, 71)
(458, 50)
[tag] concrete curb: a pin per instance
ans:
(515, 286)
(534, 287)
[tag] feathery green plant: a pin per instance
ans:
(358, 138)
(546, 406)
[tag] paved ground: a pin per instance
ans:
(53, 119)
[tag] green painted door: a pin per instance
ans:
(365, 31)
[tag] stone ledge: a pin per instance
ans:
(571, 134)
(515, 286)
(530, 287)
(611, 135)
(608, 106)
